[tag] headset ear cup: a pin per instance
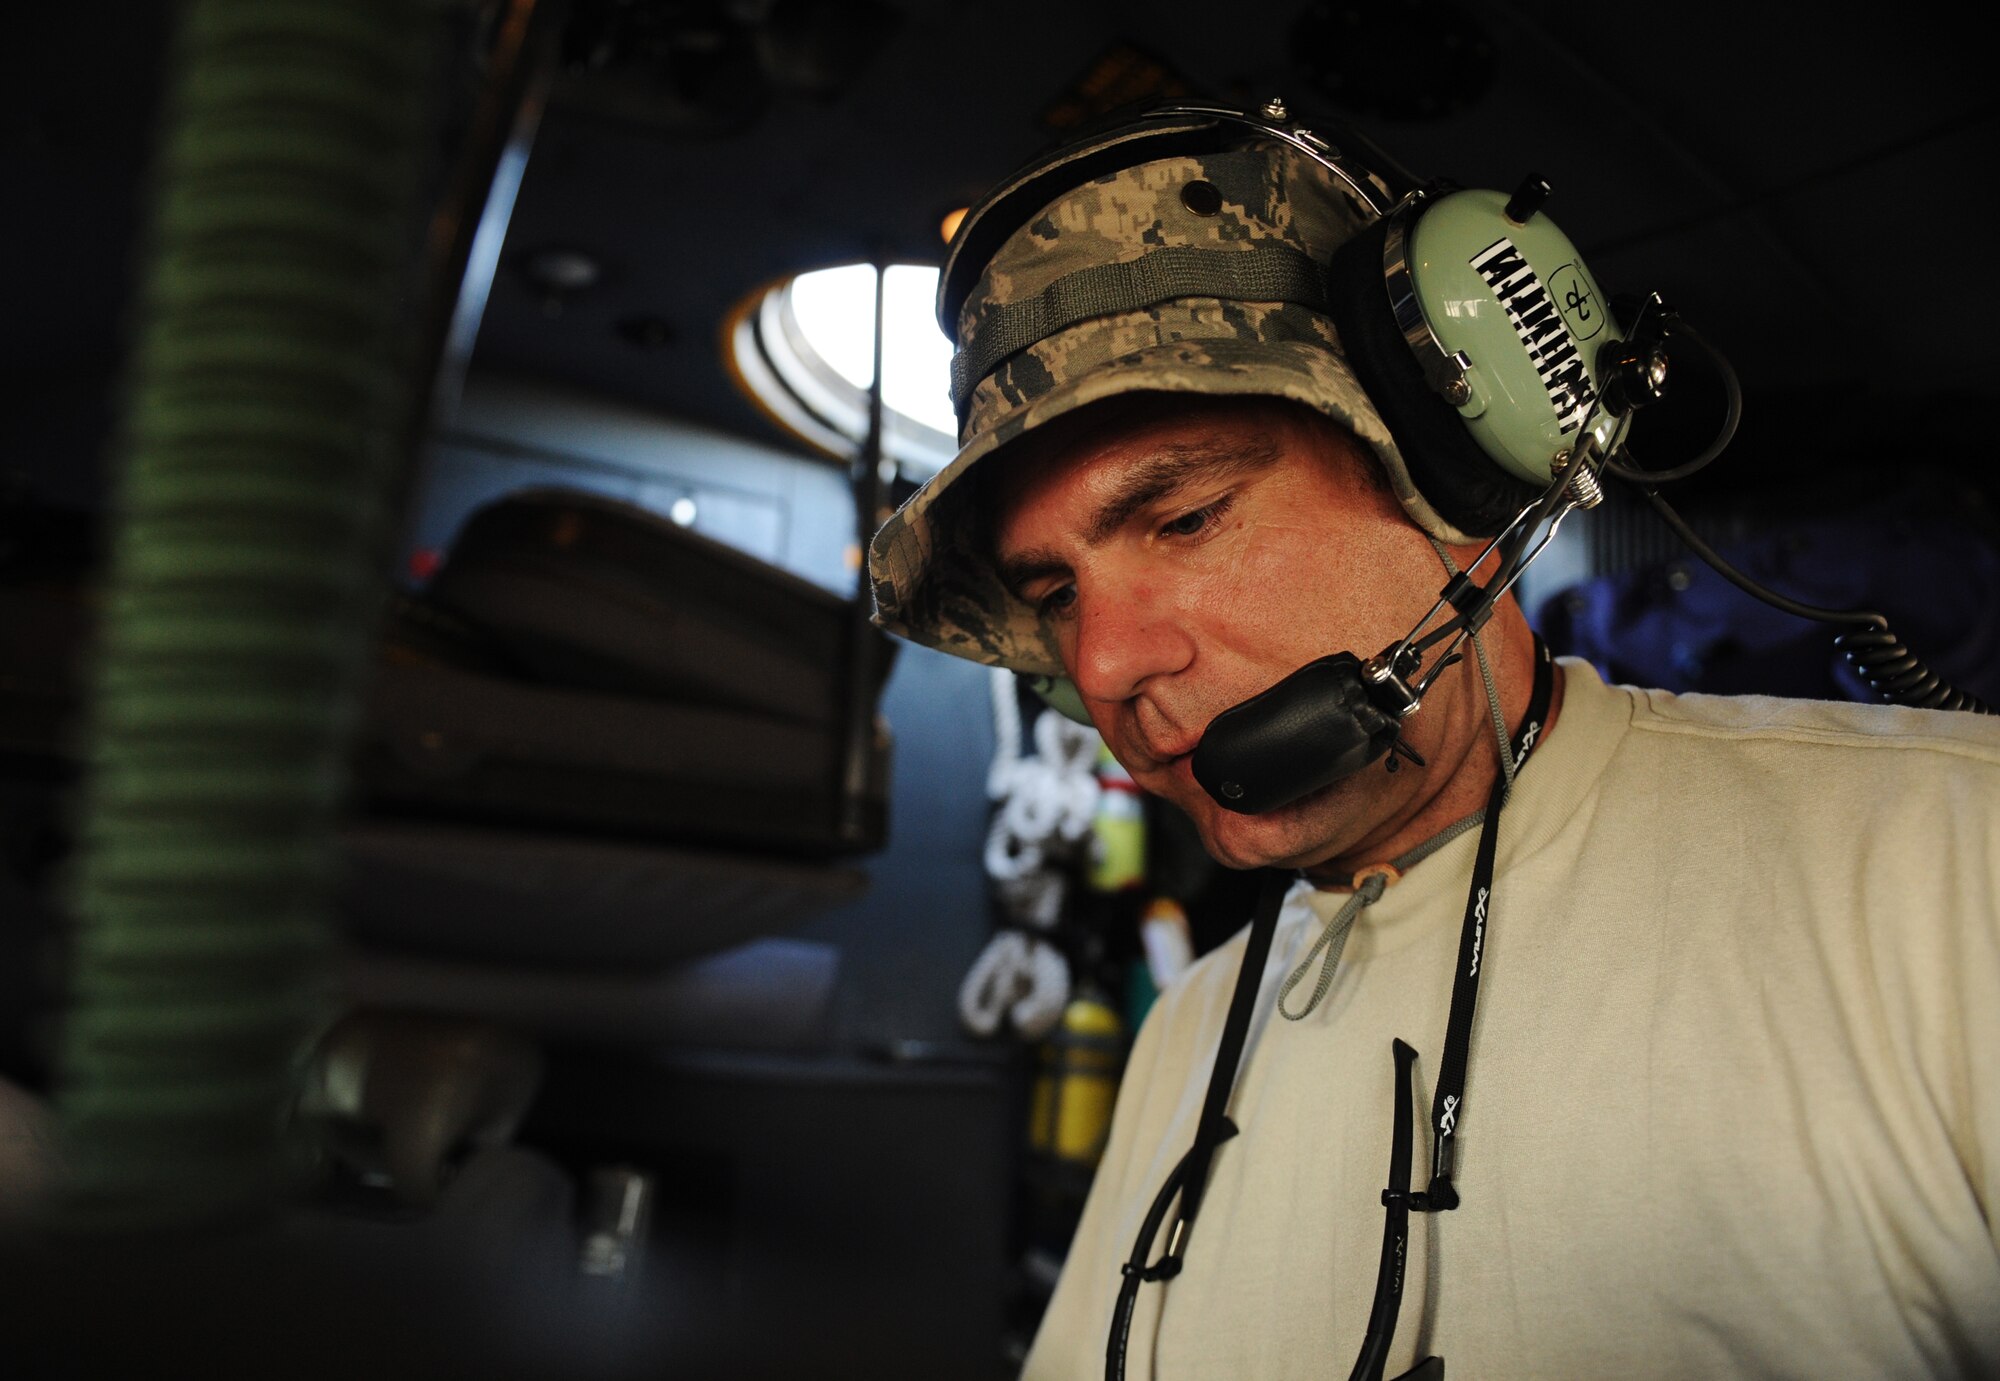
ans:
(1060, 694)
(1450, 469)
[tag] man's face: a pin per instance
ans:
(1188, 562)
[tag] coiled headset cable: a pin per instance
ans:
(1878, 656)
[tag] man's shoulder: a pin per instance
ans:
(1804, 776)
(1810, 726)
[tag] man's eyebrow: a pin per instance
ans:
(1146, 482)
(1172, 467)
(1021, 569)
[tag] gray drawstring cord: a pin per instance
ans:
(1368, 889)
(1332, 940)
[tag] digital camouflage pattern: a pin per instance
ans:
(932, 577)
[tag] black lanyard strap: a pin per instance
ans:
(1189, 1177)
(1214, 1127)
(1448, 1106)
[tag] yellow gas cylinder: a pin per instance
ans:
(1118, 829)
(1069, 1110)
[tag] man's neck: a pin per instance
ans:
(1471, 760)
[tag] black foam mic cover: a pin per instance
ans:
(1308, 731)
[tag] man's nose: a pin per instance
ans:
(1125, 641)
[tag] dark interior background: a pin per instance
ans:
(1810, 187)
(1806, 188)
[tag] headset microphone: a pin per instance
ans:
(1311, 729)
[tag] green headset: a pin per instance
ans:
(1468, 317)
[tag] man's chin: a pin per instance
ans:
(1293, 836)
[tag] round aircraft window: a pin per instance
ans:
(804, 348)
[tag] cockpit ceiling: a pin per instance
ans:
(1813, 194)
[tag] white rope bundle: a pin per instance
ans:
(1018, 978)
(1044, 808)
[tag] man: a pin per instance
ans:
(1729, 1105)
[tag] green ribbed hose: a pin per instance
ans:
(268, 404)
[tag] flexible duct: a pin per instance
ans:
(267, 412)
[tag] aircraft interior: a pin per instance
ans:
(481, 898)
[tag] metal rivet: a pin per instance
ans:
(1276, 111)
(1202, 198)
(1457, 392)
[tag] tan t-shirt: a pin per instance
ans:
(1733, 1103)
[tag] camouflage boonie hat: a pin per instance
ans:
(1187, 274)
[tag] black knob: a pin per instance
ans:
(1527, 199)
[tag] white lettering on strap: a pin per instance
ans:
(1528, 737)
(1478, 932)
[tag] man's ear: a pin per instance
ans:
(1060, 694)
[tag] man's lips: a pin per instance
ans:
(1161, 740)
(1161, 756)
